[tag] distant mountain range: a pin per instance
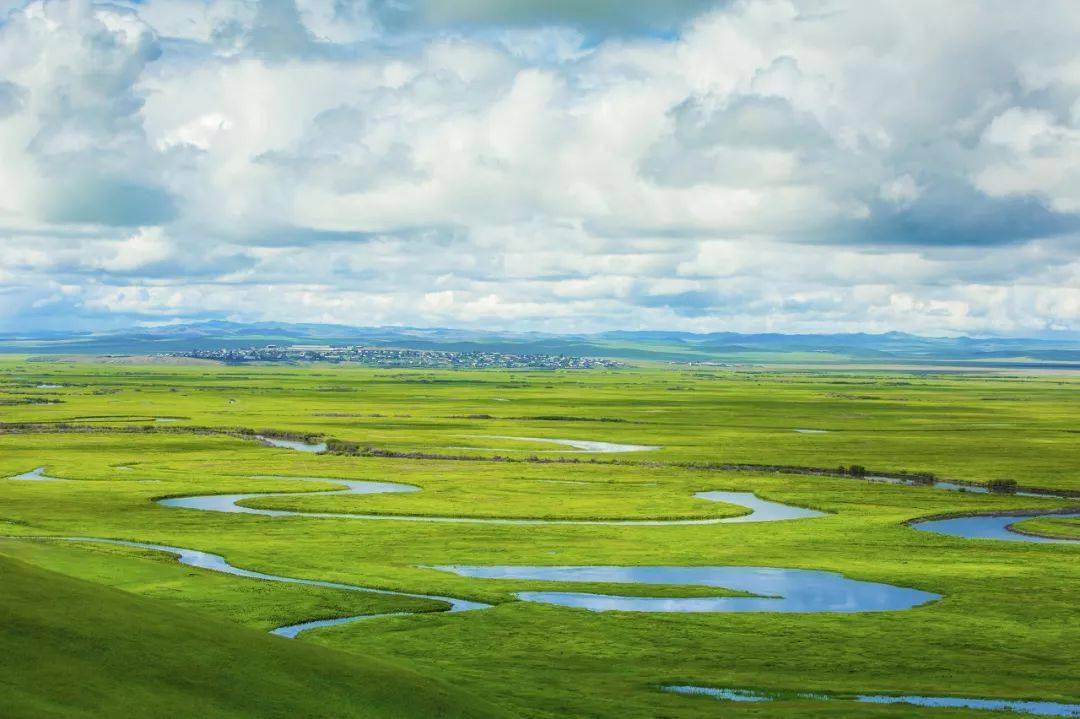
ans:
(727, 347)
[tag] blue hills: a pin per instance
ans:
(663, 346)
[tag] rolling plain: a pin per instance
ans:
(96, 629)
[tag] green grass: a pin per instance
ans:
(251, 602)
(1006, 626)
(1063, 527)
(76, 649)
(970, 427)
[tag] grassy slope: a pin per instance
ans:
(251, 602)
(76, 649)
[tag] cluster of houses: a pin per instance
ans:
(384, 357)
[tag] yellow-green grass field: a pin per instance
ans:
(143, 635)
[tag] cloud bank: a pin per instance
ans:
(814, 165)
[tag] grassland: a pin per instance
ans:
(1065, 527)
(1006, 626)
(78, 649)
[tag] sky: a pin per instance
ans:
(562, 166)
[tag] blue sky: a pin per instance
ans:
(755, 165)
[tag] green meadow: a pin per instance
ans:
(103, 630)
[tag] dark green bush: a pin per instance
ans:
(1002, 486)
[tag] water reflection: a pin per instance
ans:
(36, 474)
(583, 445)
(290, 444)
(777, 590)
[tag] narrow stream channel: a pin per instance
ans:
(1036, 708)
(994, 526)
(969, 527)
(581, 445)
(761, 510)
(217, 563)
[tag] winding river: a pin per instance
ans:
(772, 589)
(778, 590)
(217, 563)
(994, 526)
(761, 510)
(577, 445)
(988, 526)
(985, 526)
(783, 590)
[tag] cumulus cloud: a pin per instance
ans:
(73, 142)
(1030, 153)
(757, 164)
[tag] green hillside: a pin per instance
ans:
(76, 649)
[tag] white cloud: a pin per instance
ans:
(807, 164)
(1032, 154)
(137, 251)
(902, 190)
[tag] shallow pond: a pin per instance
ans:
(777, 590)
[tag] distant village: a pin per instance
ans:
(379, 357)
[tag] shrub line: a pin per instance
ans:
(355, 449)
